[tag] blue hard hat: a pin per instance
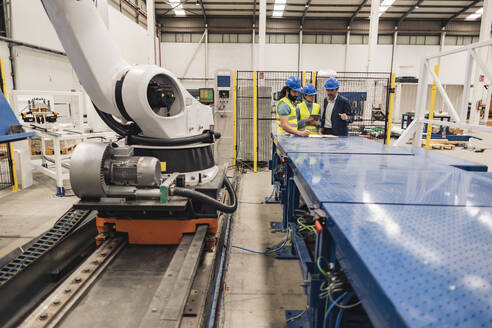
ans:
(309, 89)
(332, 84)
(293, 83)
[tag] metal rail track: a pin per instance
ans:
(53, 309)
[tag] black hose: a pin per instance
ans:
(130, 132)
(121, 129)
(196, 195)
(206, 137)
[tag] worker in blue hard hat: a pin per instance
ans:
(308, 112)
(286, 108)
(337, 113)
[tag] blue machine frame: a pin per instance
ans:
(364, 192)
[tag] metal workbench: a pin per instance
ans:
(411, 229)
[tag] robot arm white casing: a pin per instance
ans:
(99, 66)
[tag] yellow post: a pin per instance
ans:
(431, 109)
(390, 112)
(255, 123)
(234, 141)
(303, 78)
(313, 78)
(15, 187)
(4, 83)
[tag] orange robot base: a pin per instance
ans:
(154, 232)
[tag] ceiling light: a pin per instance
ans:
(476, 15)
(178, 7)
(278, 8)
(384, 6)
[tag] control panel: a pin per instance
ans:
(223, 91)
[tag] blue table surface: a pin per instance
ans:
(392, 179)
(359, 145)
(417, 266)
(338, 145)
(449, 160)
(17, 136)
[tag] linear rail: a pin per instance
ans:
(52, 310)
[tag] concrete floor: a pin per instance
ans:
(259, 288)
(28, 213)
(468, 154)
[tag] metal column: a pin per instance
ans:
(373, 34)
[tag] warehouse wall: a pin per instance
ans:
(43, 71)
(278, 57)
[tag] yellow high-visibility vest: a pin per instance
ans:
(304, 114)
(292, 117)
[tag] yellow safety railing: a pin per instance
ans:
(431, 109)
(313, 78)
(15, 187)
(255, 122)
(234, 141)
(303, 78)
(390, 112)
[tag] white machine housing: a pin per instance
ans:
(100, 67)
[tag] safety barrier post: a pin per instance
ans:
(255, 122)
(431, 109)
(390, 112)
(234, 141)
(15, 187)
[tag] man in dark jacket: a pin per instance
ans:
(336, 114)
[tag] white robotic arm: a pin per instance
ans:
(148, 95)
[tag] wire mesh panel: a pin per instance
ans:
(269, 84)
(244, 116)
(368, 97)
(5, 167)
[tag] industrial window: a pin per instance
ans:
(183, 37)
(323, 38)
(292, 38)
(229, 38)
(427, 40)
(432, 40)
(136, 10)
(168, 37)
(309, 38)
(196, 37)
(359, 39)
(338, 39)
(244, 38)
(385, 39)
(459, 40)
(275, 38)
(215, 38)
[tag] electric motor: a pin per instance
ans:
(137, 171)
(102, 170)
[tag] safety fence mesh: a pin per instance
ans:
(368, 94)
(6, 179)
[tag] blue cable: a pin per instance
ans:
(332, 305)
(219, 273)
(267, 252)
(340, 313)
